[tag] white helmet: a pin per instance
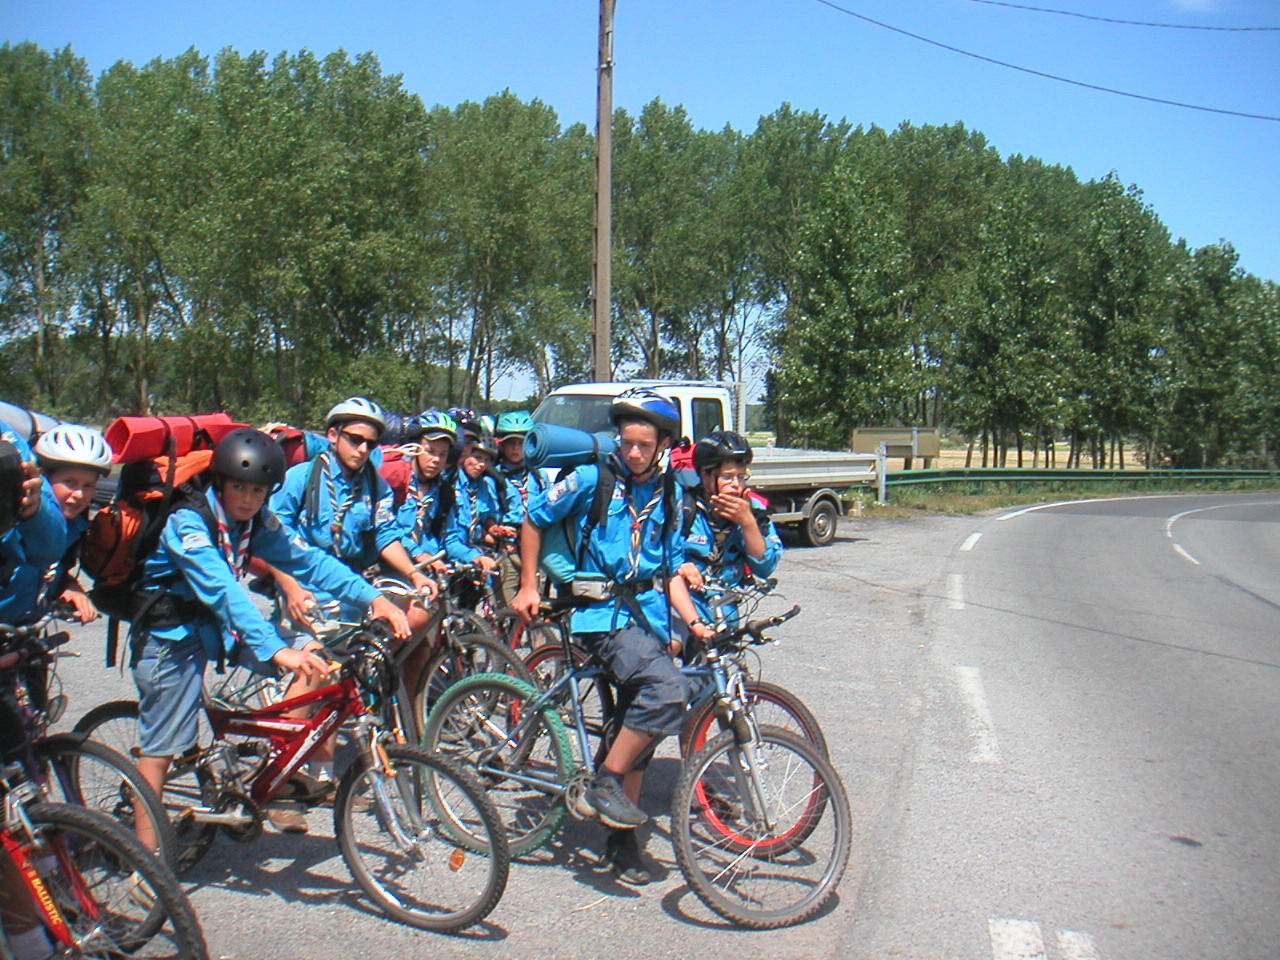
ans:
(71, 444)
(358, 408)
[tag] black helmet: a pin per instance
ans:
(722, 446)
(486, 443)
(251, 456)
(12, 477)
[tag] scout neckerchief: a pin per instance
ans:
(339, 512)
(473, 499)
(422, 502)
(237, 557)
(638, 519)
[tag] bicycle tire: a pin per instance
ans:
(525, 779)
(185, 786)
(461, 655)
(748, 872)
(770, 704)
(93, 868)
(398, 838)
(92, 775)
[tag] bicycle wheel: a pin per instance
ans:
(462, 654)
(185, 787)
(116, 898)
(397, 830)
(594, 695)
(114, 723)
(93, 775)
(761, 830)
(770, 704)
(522, 761)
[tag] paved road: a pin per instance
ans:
(1059, 730)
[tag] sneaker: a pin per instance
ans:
(614, 808)
(313, 791)
(288, 819)
(622, 852)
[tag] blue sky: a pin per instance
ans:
(1208, 176)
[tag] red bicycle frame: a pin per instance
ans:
(293, 739)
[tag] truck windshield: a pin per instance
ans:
(578, 411)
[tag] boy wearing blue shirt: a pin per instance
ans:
(39, 536)
(486, 508)
(628, 559)
(731, 531)
(210, 615)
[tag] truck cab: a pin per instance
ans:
(704, 407)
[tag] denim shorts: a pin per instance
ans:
(169, 676)
(652, 692)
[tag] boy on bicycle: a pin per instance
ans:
(205, 613)
(628, 559)
(731, 533)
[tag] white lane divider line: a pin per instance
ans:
(1076, 946)
(1016, 940)
(981, 727)
(1178, 549)
(955, 591)
(971, 541)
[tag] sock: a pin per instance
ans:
(321, 771)
(31, 944)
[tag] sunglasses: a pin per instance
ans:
(356, 440)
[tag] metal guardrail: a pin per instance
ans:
(904, 478)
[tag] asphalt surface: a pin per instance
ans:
(1059, 730)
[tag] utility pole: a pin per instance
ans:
(602, 268)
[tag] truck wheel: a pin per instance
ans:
(820, 527)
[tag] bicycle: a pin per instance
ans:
(759, 814)
(771, 704)
(397, 808)
(69, 767)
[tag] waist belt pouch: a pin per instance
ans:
(592, 589)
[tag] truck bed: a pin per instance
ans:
(780, 468)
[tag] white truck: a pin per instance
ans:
(804, 487)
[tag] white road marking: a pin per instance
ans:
(971, 541)
(955, 591)
(1184, 553)
(1076, 946)
(1064, 503)
(981, 727)
(1016, 940)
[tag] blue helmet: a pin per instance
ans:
(434, 425)
(641, 403)
(514, 423)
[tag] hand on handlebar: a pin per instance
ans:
(692, 575)
(384, 609)
(526, 602)
(303, 662)
(425, 586)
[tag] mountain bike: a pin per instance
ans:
(760, 820)
(397, 807)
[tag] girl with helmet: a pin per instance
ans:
(511, 429)
(629, 565)
(730, 531)
(205, 613)
(421, 483)
(72, 460)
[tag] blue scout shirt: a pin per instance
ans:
(335, 493)
(186, 548)
(418, 512)
(478, 504)
(612, 553)
(27, 595)
(718, 549)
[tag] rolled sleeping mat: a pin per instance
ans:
(548, 445)
(27, 424)
(140, 438)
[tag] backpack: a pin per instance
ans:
(563, 551)
(123, 534)
(397, 470)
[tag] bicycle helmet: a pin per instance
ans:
(69, 444)
(641, 403)
(722, 446)
(485, 443)
(467, 419)
(358, 408)
(434, 425)
(251, 456)
(516, 423)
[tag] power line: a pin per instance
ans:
(1129, 23)
(1048, 76)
